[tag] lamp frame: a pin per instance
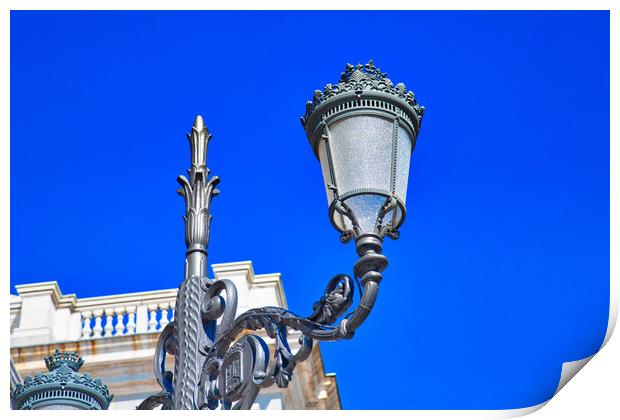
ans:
(362, 90)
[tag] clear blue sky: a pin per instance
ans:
(502, 269)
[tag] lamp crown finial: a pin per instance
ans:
(69, 358)
(360, 79)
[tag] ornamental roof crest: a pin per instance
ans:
(361, 78)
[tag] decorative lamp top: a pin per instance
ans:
(63, 386)
(361, 79)
(69, 358)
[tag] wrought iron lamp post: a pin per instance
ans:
(363, 131)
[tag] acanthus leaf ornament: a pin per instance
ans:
(198, 190)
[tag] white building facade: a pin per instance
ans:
(117, 334)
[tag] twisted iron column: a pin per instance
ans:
(191, 338)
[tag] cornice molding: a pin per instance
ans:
(137, 298)
(254, 280)
(47, 288)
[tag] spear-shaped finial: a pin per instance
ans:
(198, 190)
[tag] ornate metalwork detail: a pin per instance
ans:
(192, 340)
(198, 191)
(69, 358)
(381, 229)
(360, 78)
(226, 365)
(167, 344)
(235, 369)
(62, 385)
(337, 299)
(388, 229)
(162, 398)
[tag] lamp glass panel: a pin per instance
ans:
(362, 150)
(366, 208)
(403, 159)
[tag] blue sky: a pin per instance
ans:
(502, 269)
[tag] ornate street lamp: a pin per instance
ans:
(363, 130)
(62, 388)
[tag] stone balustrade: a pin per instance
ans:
(40, 313)
(133, 317)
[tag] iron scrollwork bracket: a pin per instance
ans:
(240, 362)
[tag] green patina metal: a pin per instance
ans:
(62, 388)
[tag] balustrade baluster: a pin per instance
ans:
(152, 317)
(97, 329)
(164, 315)
(109, 312)
(131, 319)
(86, 330)
(120, 321)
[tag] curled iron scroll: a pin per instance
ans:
(238, 363)
(166, 344)
(215, 307)
(236, 368)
